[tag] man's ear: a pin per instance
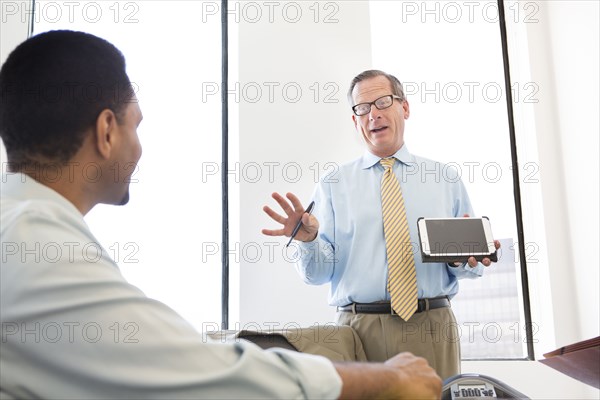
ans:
(105, 132)
(355, 121)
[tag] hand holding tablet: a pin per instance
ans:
(456, 239)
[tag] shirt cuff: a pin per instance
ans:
(317, 375)
(478, 270)
(301, 243)
(465, 270)
(307, 250)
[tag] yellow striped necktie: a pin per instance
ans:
(402, 276)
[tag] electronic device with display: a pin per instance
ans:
(455, 239)
(475, 387)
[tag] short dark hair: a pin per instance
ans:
(397, 88)
(53, 86)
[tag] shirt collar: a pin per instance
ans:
(403, 155)
(21, 186)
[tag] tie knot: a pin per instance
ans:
(387, 163)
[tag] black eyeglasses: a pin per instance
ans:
(381, 104)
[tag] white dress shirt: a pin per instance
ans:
(72, 327)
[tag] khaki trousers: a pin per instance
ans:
(431, 334)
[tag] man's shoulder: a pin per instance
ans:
(37, 206)
(334, 171)
(22, 197)
(29, 213)
(420, 160)
(352, 165)
(429, 170)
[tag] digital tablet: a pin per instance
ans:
(455, 239)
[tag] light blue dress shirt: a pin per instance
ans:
(349, 250)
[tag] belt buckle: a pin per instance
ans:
(392, 312)
(354, 308)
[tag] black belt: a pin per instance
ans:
(386, 308)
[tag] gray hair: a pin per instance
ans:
(372, 73)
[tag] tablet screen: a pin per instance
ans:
(458, 236)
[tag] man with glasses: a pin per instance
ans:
(354, 230)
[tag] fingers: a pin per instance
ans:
(294, 210)
(310, 226)
(274, 215)
(473, 262)
(309, 221)
(295, 201)
(273, 232)
(486, 261)
(418, 379)
(285, 206)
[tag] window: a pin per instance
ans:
(167, 241)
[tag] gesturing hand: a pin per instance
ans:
(294, 211)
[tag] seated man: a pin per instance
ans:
(72, 327)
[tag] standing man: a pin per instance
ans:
(362, 235)
(72, 326)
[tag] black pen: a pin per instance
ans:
(299, 224)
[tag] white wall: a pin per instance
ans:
(563, 54)
(574, 36)
(14, 28)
